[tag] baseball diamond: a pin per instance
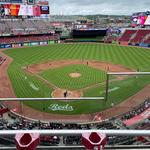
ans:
(39, 71)
(74, 74)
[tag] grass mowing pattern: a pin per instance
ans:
(23, 82)
(60, 76)
(128, 56)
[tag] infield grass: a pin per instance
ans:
(60, 76)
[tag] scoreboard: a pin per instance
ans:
(33, 8)
(140, 19)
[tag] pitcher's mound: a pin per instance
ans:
(70, 94)
(75, 75)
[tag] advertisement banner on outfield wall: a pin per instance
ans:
(26, 44)
(2, 46)
(16, 45)
(51, 42)
(8, 45)
(43, 43)
(44, 9)
(42, 2)
(34, 43)
(143, 45)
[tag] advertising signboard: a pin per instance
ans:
(2, 46)
(34, 43)
(44, 9)
(8, 45)
(42, 2)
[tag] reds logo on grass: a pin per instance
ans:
(57, 107)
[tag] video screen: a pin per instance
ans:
(23, 10)
(140, 19)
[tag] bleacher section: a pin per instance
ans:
(140, 37)
(25, 27)
(147, 39)
(27, 38)
(127, 35)
(24, 32)
(18, 123)
(138, 114)
(10, 121)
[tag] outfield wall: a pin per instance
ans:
(27, 44)
(133, 44)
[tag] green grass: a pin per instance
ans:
(131, 57)
(60, 76)
(24, 83)
(124, 89)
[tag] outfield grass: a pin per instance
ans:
(26, 85)
(60, 76)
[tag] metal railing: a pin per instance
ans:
(128, 73)
(114, 147)
(79, 132)
(46, 99)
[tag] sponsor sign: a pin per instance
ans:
(43, 43)
(2, 46)
(34, 43)
(51, 42)
(42, 2)
(44, 9)
(16, 45)
(57, 107)
(56, 24)
(8, 46)
(25, 44)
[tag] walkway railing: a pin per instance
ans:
(22, 136)
(79, 132)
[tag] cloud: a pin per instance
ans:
(83, 7)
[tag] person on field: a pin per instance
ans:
(65, 94)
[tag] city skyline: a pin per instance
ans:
(106, 7)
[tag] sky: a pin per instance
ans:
(89, 7)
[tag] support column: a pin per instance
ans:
(107, 87)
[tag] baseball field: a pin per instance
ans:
(79, 69)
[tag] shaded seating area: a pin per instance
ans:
(27, 38)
